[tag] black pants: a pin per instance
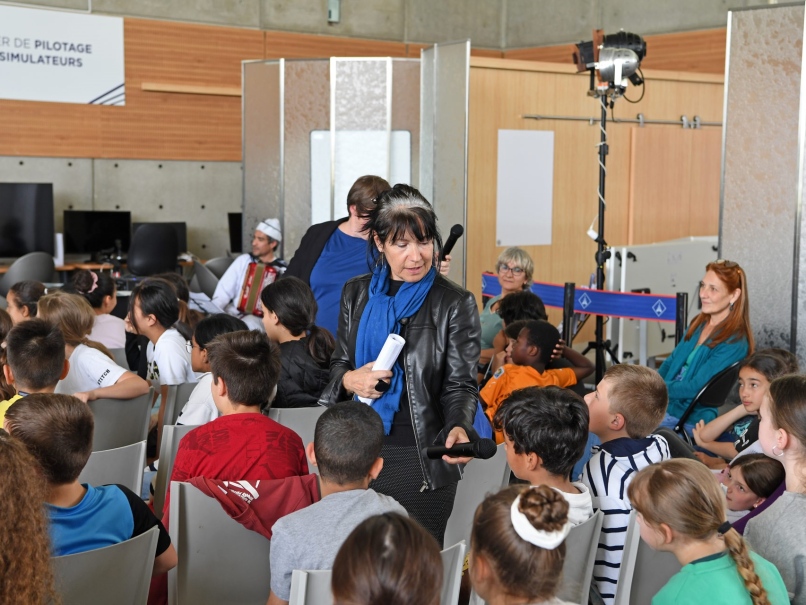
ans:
(402, 479)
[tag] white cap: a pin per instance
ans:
(271, 227)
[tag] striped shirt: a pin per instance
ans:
(608, 474)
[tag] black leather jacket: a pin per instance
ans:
(443, 341)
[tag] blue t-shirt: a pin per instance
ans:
(343, 258)
(107, 515)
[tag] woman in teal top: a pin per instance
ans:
(514, 268)
(718, 337)
(681, 509)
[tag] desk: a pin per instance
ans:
(4, 268)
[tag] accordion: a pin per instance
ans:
(258, 276)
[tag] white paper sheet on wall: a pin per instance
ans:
(525, 187)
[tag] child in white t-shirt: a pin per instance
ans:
(200, 408)
(93, 373)
(101, 292)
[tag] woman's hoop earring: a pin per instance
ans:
(778, 453)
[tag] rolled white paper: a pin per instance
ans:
(387, 357)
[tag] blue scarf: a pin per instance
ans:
(380, 318)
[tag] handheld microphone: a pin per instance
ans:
(456, 232)
(483, 448)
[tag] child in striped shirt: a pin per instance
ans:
(627, 405)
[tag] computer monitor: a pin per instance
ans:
(90, 231)
(235, 232)
(26, 218)
(181, 232)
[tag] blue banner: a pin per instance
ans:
(652, 307)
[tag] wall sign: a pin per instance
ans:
(61, 57)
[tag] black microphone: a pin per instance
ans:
(456, 232)
(483, 448)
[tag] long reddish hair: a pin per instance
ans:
(737, 324)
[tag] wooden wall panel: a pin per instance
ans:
(309, 46)
(698, 51)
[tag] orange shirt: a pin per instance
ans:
(511, 377)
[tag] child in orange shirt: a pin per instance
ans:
(530, 353)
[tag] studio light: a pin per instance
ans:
(615, 57)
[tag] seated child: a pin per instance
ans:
(99, 289)
(545, 431)
(530, 353)
(748, 481)
(35, 360)
(93, 372)
(388, 559)
(518, 545)
(6, 390)
(740, 424)
(681, 510)
(200, 408)
(22, 298)
(779, 533)
(242, 444)
(626, 406)
(346, 449)
(289, 312)
(57, 431)
(511, 331)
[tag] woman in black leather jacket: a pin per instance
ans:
(430, 396)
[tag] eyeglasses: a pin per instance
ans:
(190, 346)
(504, 268)
(728, 263)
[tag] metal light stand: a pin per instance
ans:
(599, 344)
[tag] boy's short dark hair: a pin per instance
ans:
(543, 335)
(57, 430)
(551, 422)
(640, 395)
(35, 354)
(513, 330)
(347, 441)
(521, 305)
(248, 362)
(216, 325)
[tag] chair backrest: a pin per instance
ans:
(122, 465)
(206, 279)
(154, 249)
(219, 265)
(643, 571)
(119, 574)
(120, 357)
(714, 393)
(120, 422)
(580, 556)
(453, 560)
(36, 266)
(480, 478)
(171, 436)
(300, 420)
(178, 395)
(220, 561)
(311, 587)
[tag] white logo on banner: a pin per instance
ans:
(659, 308)
(585, 301)
(61, 57)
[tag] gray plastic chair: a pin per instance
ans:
(580, 556)
(35, 266)
(453, 560)
(311, 587)
(122, 465)
(220, 561)
(643, 571)
(171, 436)
(480, 478)
(205, 279)
(120, 422)
(120, 358)
(300, 420)
(119, 574)
(219, 265)
(178, 396)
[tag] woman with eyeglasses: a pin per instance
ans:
(514, 269)
(717, 338)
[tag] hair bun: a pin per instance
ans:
(544, 507)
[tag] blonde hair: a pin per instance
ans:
(521, 258)
(73, 315)
(640, 395)
(685, 495)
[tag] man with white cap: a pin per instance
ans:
(264, 243)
